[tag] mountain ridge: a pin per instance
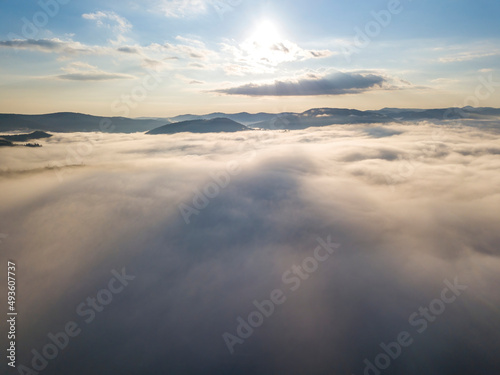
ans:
(80, 122)
(216, 125)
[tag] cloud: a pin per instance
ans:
(259, 55)
(189, 80)
(190, 41)
(93, 76)
(195, 8)
(131, 50)
(109, 20)
(153, 56)
(184, 53)
(444, 82)
(467, 52)
(188, 49)
(333, 84)
(80, 71)
(191, 50)
(183, 8)
(197, 66)
(153, 64)
(407, 217)
(467, 56)
(54, 45)
(118, 26)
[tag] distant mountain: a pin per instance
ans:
(26, 137)
(76, 122)
(244, 118)
(469, 113)
(323, 117)
(4, 142)
(334, 116)
(216, 125)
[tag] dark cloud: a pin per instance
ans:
(47, 45)
(280, 47)
(320, 54)
(91, 76)
(334, 84)
(132, 50)
(30, 43)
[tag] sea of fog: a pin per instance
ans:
(335, 250)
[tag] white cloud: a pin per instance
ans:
(258, 55)
(110, 20)
(444, 82)
(81, 71)
(118, 25)
(468, 52)
(183, 8)
(467, 56)
(194, 8)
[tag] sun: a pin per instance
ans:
(266, 47)
(266, 34)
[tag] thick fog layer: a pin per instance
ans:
(337, 250)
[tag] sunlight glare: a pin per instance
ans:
(266, 34)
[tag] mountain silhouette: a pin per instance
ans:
(66, 122)
(216, 125)
(78, 122)
(26, 137)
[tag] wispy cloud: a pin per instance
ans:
(91, 76)
(467, 52)
(110, 20)
(467, 56)
(194, 8)
(183, 8)
(80, 71)
(54, 45)
(190, 49)
(117, 24)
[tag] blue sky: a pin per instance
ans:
(167, 57)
